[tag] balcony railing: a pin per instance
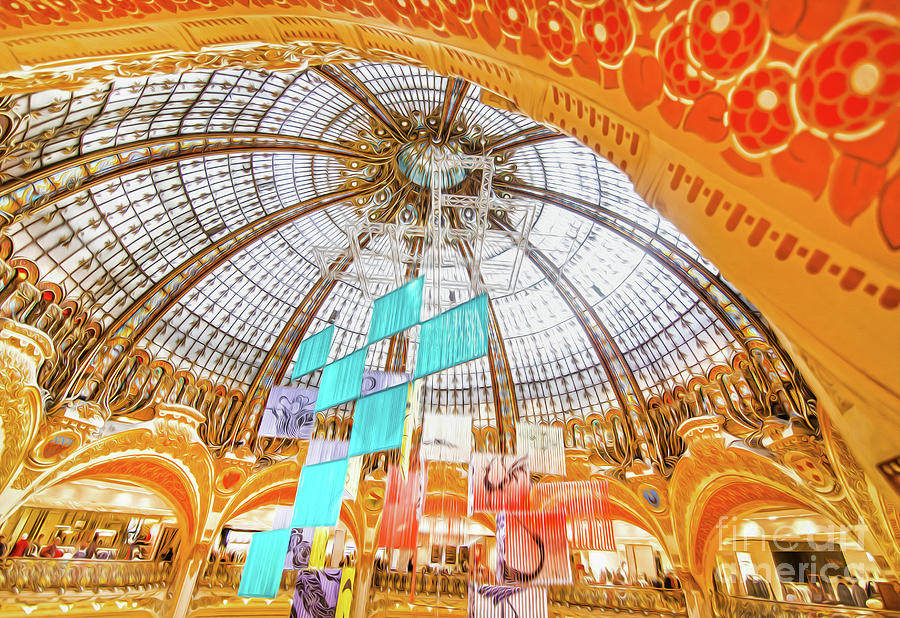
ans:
(726, 606)
(593, 597)
(652, 601)
(224, 577)
(455, 586)
(30, 576)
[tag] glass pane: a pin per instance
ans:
(378, 421)
(453, 337)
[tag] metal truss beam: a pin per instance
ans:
(25, 196)
(454, 95)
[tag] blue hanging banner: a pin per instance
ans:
(341, 380)
(378, 421)
(453, 337)
(319, 492)
(261, 577)
(313, 352)
(397, 310)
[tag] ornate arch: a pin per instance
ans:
(154, 472)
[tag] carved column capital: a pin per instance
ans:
(701, 428)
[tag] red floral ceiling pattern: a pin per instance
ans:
(807, 89)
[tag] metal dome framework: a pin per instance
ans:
(185, 208)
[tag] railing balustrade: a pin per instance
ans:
(61, 576)
(727, 606)
(222, 576)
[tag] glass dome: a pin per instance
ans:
(370, 130)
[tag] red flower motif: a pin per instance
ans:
(760, 110)
(15, 7)
(726, 36)
(609, 30)
(430, 10)
(680, 78)
(512, 15)
(849, 83)
(461, 8)
(556, 32)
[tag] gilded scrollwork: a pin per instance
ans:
(22, 350)
(282, 57)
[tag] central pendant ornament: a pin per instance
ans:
(415, 161)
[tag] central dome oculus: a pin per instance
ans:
(417, 159)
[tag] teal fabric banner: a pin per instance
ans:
(397, 310)
(319, 492)
(313, 352)
(341, 380)
(453, 337)
(378, 421)
(261, 577)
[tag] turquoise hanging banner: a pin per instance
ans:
(261, 577)
(341, 380)
(319, 492)
(378, 421)
(313, 352)
(453, 337)
(397, 310)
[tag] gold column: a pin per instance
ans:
(22, 352)
(696, 597)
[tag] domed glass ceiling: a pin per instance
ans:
(113, 240)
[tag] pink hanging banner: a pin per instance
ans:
(498, 483)
(402, 509)
(532, 548)
(586, 503)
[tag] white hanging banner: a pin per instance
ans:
(544, 446)
(447, 437)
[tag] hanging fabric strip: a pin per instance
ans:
(320, 450)
(543, 444)
(351, 483)
(532, 548)
(316, 594)
(375, 380)
(453, 337)
(507, 602)
(261, 576)
(586, 503)
(313, 353)
(397, 310)
(341, 380)
(289, 413)
(447, 437)
(299, 549)
(318, 500)
(317, 549)
(345, 596)
(498, 482)
(378, 421)
(402, 509)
